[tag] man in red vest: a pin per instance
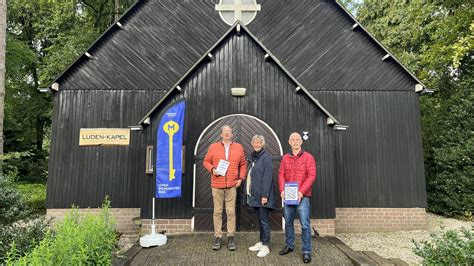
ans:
(226, 162)
(299, 167)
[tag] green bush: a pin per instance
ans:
(34, 195)
(448, 136)
(447, 249)
(76, 240)
(24, 166)
(25, 237)
(15, 224)
(12, 207)
(28, 166)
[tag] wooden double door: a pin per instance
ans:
(244, 128)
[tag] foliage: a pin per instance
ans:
(12, 207)
(75, 241)
(34, 196)
(450, 248)
(43, 38)
(103, 10)
(449, 130)
(435, 40)
(9, 166)
(29, 198)
(14, 223)
(351, 5)
(25, 237)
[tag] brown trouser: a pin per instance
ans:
(219, 196)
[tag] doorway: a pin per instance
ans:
(244, 128)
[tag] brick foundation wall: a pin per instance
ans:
(179, 226)
(123, 217)
(171, 226)
(352, 220)
(348, 220)
(325, 227)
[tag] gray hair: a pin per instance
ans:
(259, 137)
(226, 126)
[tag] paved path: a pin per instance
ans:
(195, 249)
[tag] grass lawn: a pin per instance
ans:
(34, 194)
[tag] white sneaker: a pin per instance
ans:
(264, 251)
(256, 247)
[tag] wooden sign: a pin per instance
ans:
(104, 136)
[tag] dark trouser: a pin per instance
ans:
(303, 210)
(264, 224)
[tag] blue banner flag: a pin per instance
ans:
(169, 152)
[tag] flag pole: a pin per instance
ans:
(153, 239)
(153, 226)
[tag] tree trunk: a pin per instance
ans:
(117, 9)
(3, 46)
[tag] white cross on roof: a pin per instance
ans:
(237, 8)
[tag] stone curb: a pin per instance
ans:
(128, 256)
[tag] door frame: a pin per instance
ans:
(199, 140)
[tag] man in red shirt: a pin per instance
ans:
(300, 167)
(224, 182)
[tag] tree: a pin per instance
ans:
(32, 30)
(117, 9)
(351, 5)
(43, 38)
(435, 40)
(106, 12)
(3, 31)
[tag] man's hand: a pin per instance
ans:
(214, 171)
(300, 196)
(239, 182)
(282, 195)
(264, 201)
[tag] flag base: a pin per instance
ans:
(153, 239)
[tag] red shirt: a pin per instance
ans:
(300, 168)
(237, 168)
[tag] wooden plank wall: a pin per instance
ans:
(271, 97)
(132, 67)
(380, 159)
(84, 175)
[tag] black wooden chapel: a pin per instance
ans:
(306, 65)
